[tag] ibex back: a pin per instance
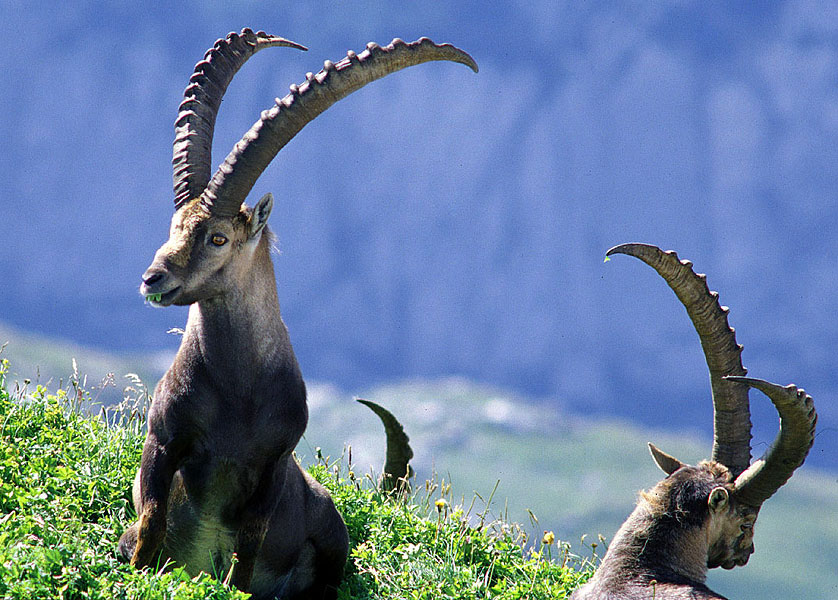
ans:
(217, 475)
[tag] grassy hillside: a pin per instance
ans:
(64, 481)
(578, 477)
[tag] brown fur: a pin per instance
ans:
(217, 474)
(687, 523)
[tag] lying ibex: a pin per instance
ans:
(217, 475)
(397, 471)
(703, 517)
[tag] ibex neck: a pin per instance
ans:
(656, 547)
(242, 328)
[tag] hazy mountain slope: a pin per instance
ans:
(50, 361)
(442, 222)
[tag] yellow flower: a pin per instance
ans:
(548, 538)
(440, 504)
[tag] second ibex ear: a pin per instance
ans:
(259, 215)
(718, 499)
(668, 464)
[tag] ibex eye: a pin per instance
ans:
(218, 239)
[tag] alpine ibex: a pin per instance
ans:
(397, 471)
(703, 517)
(217, 475)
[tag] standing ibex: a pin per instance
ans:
(703, 517)
(217, 475)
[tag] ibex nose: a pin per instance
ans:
(152, 277)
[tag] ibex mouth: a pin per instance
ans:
(162, 299)
(734, 562)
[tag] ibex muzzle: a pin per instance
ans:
(703, 517)
(217, 475)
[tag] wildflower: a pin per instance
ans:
(548, 538)
(440, 504)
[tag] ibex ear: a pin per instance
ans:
(668, 464)
(259, 215)
(718, 500)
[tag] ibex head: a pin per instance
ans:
(203, 252)
(705, 497)
(731, 488)
(212, 230)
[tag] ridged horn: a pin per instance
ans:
(397, 465)
(789, 449)
(731, 411)
(195, 123)
(234, 179)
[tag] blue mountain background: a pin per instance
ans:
(443, 223)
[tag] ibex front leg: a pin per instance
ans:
(255, 520)
(156, 472)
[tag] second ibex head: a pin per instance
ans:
(737, 488)
(703, 516)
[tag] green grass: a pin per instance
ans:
(65, 482)
(579, 477)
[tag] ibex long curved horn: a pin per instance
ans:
(732, 416)
(195, 123)
(397, 465)
(251, 155)
(797, 434)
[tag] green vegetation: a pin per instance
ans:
(577, 475)
(65, 481)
